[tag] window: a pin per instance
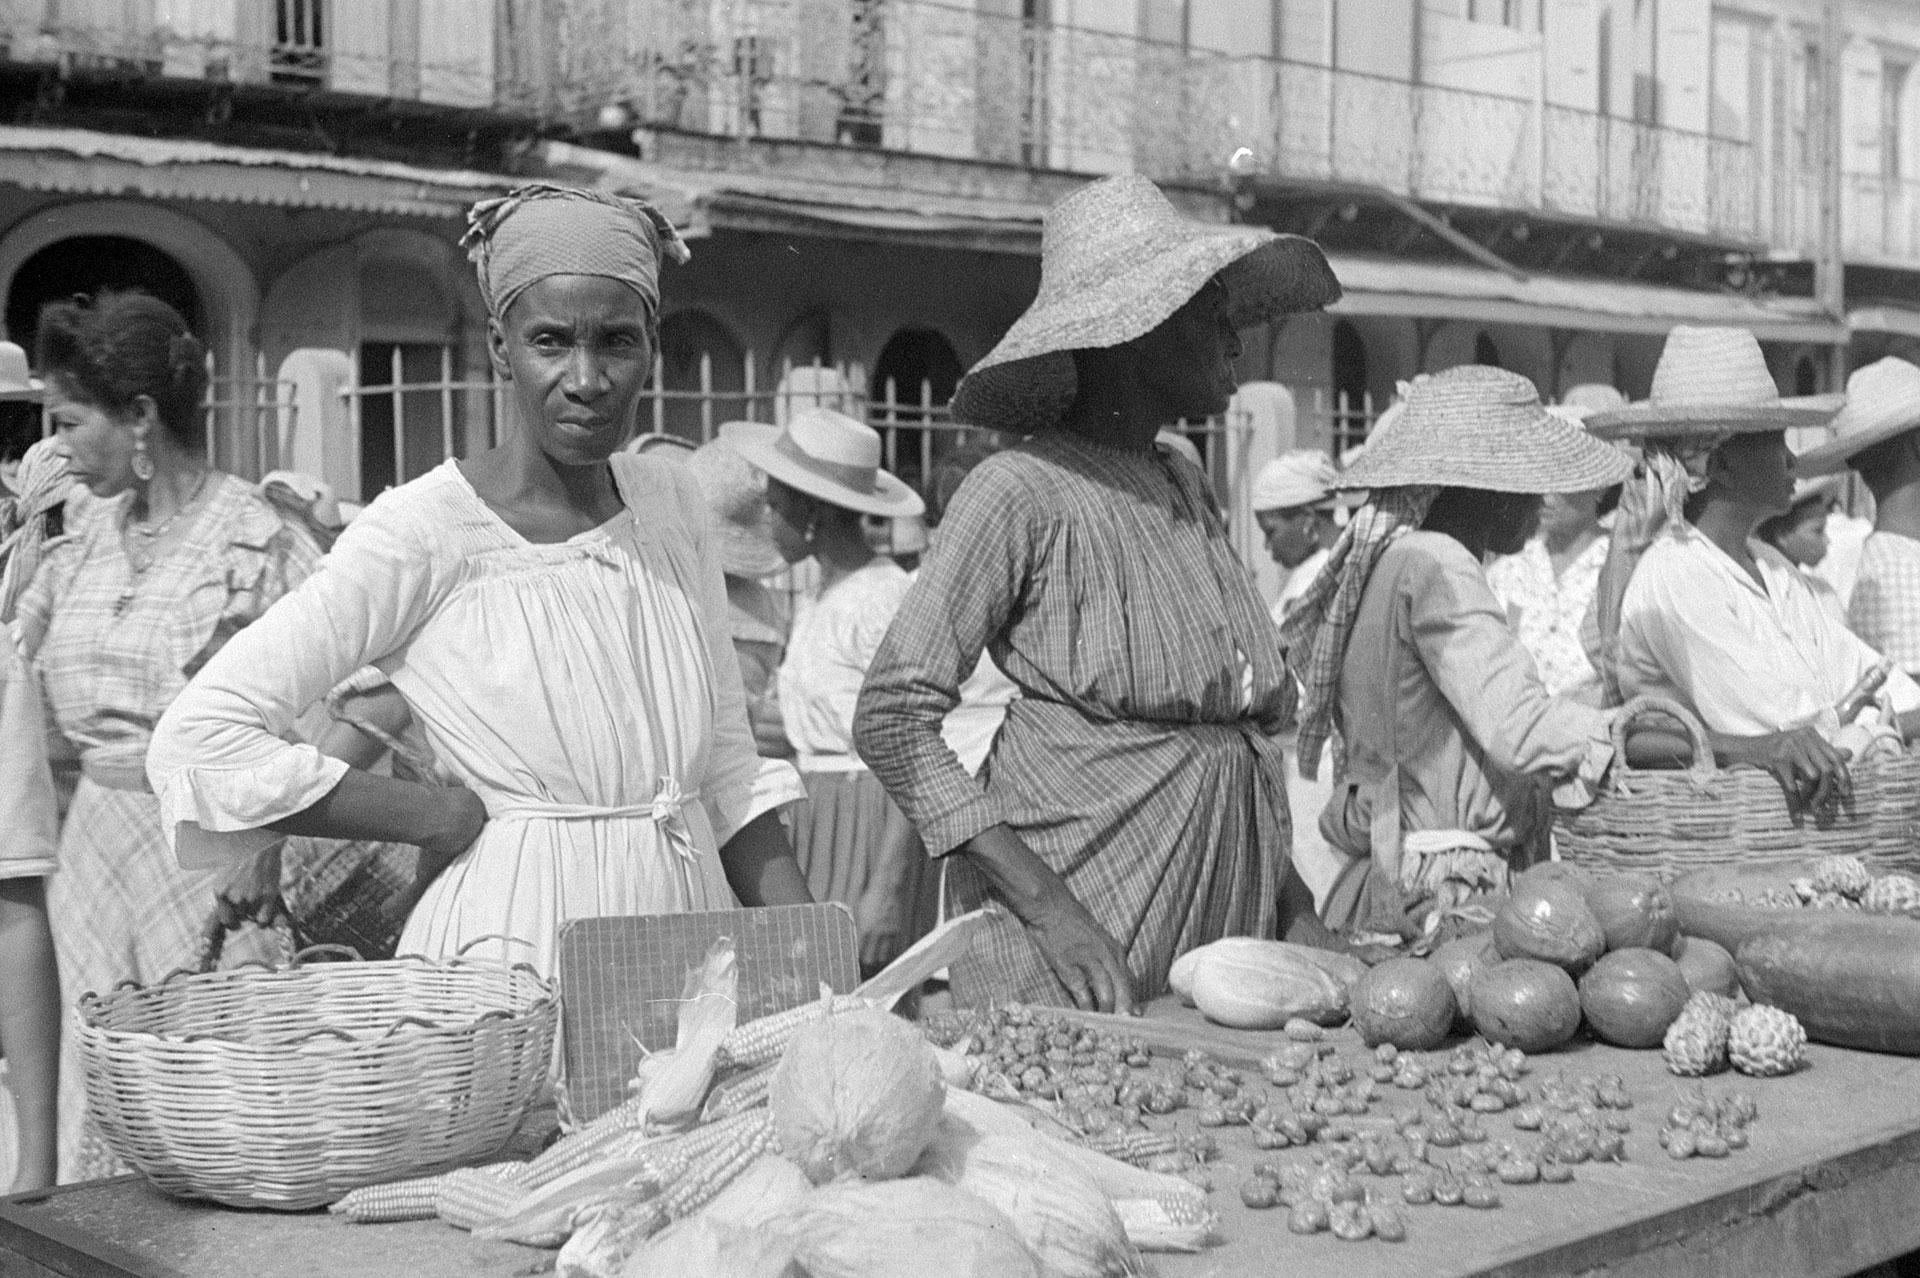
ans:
(409, 410)
(299, 41)
(1893, 84)
(1506, 13)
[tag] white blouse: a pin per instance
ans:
(834, 638)
(586, 690)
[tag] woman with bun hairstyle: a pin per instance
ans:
(175, 560)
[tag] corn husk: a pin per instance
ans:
(856, 1095)
(703, 1247)
(605, 1238)
(1115, 1178)
(1152, 1226)
(1062, 1216)
(761, 1192)
(912, 1228)
(673, 1084)
(938, 949)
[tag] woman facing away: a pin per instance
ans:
(553, 614)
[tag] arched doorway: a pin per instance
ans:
(1351, 416)
(703, 378)
(912, 383)
(88, 264)
(1485, 352)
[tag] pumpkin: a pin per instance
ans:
(1525, 1003)
(1547, 918)
(1706, 965)
(1631, 996)
(1634, 912)
(1264, 985)
(1406, 1002)
(1458, 961)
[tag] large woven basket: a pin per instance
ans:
(1672, 823)
(285, 1088)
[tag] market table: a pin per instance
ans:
(1829, 1186)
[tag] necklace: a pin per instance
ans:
(141, 539)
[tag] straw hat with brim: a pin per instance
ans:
(831, 456)
(16, 384)
(1712, 381)
(1480, 427)
(1116, 260)
(1883, 400)
(1821, 488)
(736, 497)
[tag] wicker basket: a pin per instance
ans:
(1672, 823)
(285, 1088)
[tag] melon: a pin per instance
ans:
(1706, 965)
(1458, 961)
(1406, 1002)
(1631, 996)
(1547, 918)
(1525, 1003)
(1634, 912)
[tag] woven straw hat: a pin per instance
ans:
(833, 457)
(1480, 427)
(736, 497)
(1883, 399)
(1712, 381)
(15, 382)
(1116, 259)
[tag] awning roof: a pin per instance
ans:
(1444, 290)
(1902, 320)
(81, 161)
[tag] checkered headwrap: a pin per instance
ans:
(538, 230)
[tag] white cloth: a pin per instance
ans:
(1297, 583)
(1747, 659)
(834, 637)
(1548, 611)
(1885, 608)
(586, 690)
(1846, 540)
(970, 727)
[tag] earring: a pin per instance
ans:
(142, 461)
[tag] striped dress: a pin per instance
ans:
(1139, 761)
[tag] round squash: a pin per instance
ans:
(1634, 912)
(1406, 1002)
(1706, 965)
(1547, 918)
(1526, 1003)
(1459, 960)
(1631, 996)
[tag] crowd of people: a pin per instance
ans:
(566, 676)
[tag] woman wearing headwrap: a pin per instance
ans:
(552, 612)
(1133, 804)
(1450, 744)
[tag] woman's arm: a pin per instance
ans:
(30, 1025)
(1811, 771)
(1084, 958)
(760, 865)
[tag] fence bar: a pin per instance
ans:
(446, 401)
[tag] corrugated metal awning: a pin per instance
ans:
(81, 161)
(1901, 320)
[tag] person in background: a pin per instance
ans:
(1737, 638)
(115, 621)
(1877, 435)
(554, 618)
(1800, 538)
(1293, 502)
(1452, 751)
(1133, 804)
(736, 498)
(823, 478)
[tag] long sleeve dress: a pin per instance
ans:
(586, 690)
(112, 648)
(1139, 761)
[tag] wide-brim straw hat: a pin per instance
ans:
(17, 384)
(1883, 400)
(1476, 426)
(1712, 381)
(835, 458)
(736, 496)
(1116, 260)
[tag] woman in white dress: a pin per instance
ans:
(555, 619)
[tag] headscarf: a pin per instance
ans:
(1652, 500)
(1316, 631)
(44, 484)
(539, 230)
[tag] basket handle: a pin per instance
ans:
(346, 953)
(491, 936)
(1702, 768)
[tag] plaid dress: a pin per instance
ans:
(1139, 761)
(112, 649)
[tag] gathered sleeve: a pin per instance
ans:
(968, 592)
(739, 785)
(1491, 682)
(30, 839)
(219, 760)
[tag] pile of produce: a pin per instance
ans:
(1837, 883)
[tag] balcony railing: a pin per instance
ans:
(1881, 217)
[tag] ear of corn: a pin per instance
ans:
(1134, 1147)
(471, 1197)
(1171, 1222)
(761, 1042)
(738, 1094)
(382, 1204)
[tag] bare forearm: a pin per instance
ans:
(30, 1025)
(760, 866)
(1019, 877)
(386, 809)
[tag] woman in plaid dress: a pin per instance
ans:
(118, 617)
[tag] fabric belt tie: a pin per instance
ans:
(667, 809)
(117, 771)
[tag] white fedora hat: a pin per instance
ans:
(1883, 399)
(1712, 381)
(736, 496)
(831, 456)
(15, 382)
